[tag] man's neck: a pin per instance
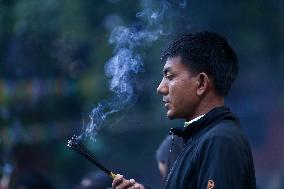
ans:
(206, 105)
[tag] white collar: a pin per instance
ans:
(193, 120)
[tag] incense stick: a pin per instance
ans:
(77, 145)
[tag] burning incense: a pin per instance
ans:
(78, 146)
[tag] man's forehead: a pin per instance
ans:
(171, 63)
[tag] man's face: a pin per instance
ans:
(178, 88)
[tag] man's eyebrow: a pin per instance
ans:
(166, 70)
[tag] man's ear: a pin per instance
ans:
(203, 83)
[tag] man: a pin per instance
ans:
(199, 71)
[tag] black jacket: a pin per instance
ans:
(216, 155)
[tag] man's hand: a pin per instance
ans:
(119, 182)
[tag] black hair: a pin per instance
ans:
(206, 52)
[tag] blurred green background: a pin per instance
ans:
(52, 57)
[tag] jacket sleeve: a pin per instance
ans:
(220, 164)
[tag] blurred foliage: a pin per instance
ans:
(52, 56)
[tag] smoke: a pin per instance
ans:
(125, 64)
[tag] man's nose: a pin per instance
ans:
(162, 88)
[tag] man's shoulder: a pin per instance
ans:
(225, 133)
(226, 129)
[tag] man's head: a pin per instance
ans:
(198, 67)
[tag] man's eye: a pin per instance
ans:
(168, 76)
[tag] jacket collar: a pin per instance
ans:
(193, 120)
(214, 116)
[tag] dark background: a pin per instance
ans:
(52, 56)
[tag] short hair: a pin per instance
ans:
(169, 150)
(206, 52)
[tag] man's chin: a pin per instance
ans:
(170, 115)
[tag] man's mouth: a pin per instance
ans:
(167, 104)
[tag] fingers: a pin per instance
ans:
(126, 184)
(119, 182)
(136, 186)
